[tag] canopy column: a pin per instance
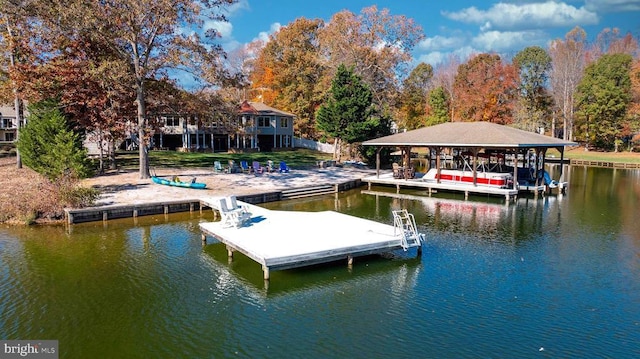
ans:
(515, 168)
(439, 170)
(378, 150)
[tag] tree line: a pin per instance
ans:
(108, 64)
(575, 90)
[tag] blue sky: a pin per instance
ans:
(450, 26)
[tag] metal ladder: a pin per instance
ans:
(404, 222)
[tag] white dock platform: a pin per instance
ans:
(289, 239)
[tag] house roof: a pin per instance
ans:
(8, 111)
(469, 134)
(260, 108)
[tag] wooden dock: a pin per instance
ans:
(285, 239)
(433, 186)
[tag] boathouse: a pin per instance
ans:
(475, 145)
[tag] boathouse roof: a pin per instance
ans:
(469, 134)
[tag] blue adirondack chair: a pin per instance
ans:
(283, 167)
(245, 166)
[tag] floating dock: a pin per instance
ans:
(288, 239)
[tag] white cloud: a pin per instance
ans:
(436, 58)
(503, 41)
(601, 6)
(264, 35)
(547, 14)
(438, 42)
(224, 28)
(237, 7)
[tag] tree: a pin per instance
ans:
(376, 44)
(603, 97)
(50, 147)
(445, 77)
(533, 64)
(90, 85)
(413, 98)
(438, 107)
(611, 41)
(289, 67)
(567, 59)
(484, 90)
(151, 36)
(347, 115)
(13, 19)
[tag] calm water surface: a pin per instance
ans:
(557, 277)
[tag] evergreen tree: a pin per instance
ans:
(438, 107)
(533, 64)
(604, 95)
(348, 115)
(49, 146)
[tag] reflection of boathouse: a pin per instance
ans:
(472, 157)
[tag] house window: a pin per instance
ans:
(284, 122)
(172, 121)
(9, 136)
(7, 123)
(264, 121)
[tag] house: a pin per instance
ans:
(8, 123)
(255, 127)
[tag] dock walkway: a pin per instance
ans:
(433, 186)
(286, 239)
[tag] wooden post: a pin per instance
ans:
(265, 271)
(378, 149)
(230, 252)
(203, 237)
(105, 216)
(438, 150)
(515, 169)
(475, 166)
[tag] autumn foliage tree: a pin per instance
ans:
(484, 90)
(150, 36)
(413, 97)
(289, 69)
(376, 44)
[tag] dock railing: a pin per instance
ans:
(405, 223)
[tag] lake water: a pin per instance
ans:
(554, 277)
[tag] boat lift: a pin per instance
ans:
(405, 223)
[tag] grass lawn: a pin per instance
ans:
(298, 158)
(579, 153)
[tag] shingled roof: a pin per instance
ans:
(469, 134)
(260, 108)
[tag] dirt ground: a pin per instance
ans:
(128, 188)
(25, 192)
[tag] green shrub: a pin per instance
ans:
(49, 146)
(78, 197)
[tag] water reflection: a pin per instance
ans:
(401, 270)
(495, 280)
